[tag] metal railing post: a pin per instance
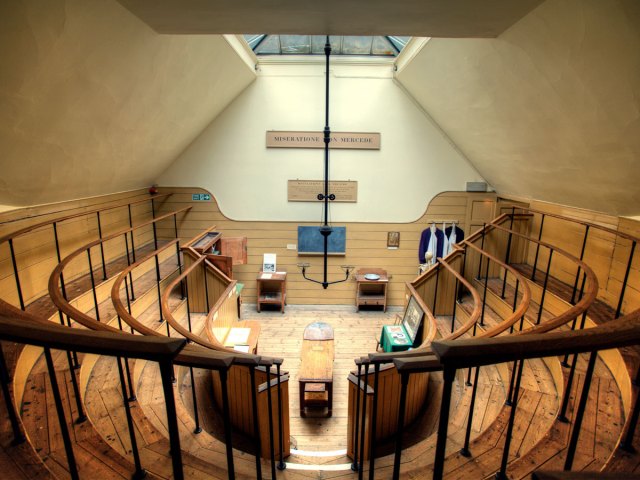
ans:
(575, 284)
(354, 465)
(93, 284)
(256, 426)
(626, 278)
(15, 274)
(544, 288)
(206, 286)
(464, 266)
(502, 473)
(562, 416)
(226, 417)
(508, 253)
(577, 424)
(104, 265)
(374, 415)
(565, 360)
(270, 413)
(140, 472)
(484, 296)
(364, 416)
(484, 227)
(64, 429)
(166, 374)
(155, 236)
(196, 417)
(464, 451)
(160, 293)
(441, 442)
(281, 464)
(126, 245)
(455, 305)
(535, 260)
(435, 292)
(404, 383)
(515, 300)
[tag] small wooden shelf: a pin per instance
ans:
(272, 289)
(371, 292)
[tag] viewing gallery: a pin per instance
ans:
(337, 240)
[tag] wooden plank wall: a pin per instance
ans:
(366, 244)
(35, 251)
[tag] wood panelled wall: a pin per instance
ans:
(35, 251)
(366, 244)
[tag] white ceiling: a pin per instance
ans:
(426, 18)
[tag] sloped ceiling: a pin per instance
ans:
(435, 18)
(93, 101)
(550, 109)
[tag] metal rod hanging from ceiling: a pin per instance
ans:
(325, 229)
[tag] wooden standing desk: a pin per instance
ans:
(316, 368)
(244, 333)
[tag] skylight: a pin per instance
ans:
(385, 46)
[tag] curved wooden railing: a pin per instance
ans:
(587, 297)
(10, 237)
(56, 279)
(523, 306)
(124, 313)
(590, 225)
(212, 343)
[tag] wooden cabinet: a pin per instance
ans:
(221, 251)
(371, 291)
(272, 289)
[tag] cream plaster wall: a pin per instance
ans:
(415, 162)
(551, 108)
(93, 101)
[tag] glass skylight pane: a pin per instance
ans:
(295, 44)
(399, 42)
(270, 45)
(381, 46)
(318, 41)
(356, 45)
(253, 40)
(263, 44)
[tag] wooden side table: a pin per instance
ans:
(272, 289)
(371, 292)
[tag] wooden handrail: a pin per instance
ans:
(526, 295)
(475, 314)
(52, 335)
(122, 312)
(168, 316)
(22, 231)
(582, 222)
(54, 278)
(589, 295)
(464, 353)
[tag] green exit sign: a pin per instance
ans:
(200, 197)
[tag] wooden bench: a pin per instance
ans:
(316, 368)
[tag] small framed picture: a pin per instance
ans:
(393, 240)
